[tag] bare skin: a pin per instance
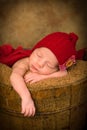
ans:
(41, 64)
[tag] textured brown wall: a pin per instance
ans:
(24, 22)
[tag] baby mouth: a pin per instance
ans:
(34, 68)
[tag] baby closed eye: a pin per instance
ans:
(39, 54)
(50, 66)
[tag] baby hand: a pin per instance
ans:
(33, 77)
(28, 107)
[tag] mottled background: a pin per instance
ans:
(25, 22)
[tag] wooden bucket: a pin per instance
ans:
(61, 104)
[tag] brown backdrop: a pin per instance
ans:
(25, 22)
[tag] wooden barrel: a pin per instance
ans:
(61, 104)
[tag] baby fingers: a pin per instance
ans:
(28, 78)
(29, 112)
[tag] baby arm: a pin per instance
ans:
(35, 77)
(18, 83)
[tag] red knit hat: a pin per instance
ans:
(62, 45)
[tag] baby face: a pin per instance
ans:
(43, 61)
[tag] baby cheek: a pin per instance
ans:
(50, 71)
(47, 71)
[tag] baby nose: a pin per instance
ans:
(41, 64)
